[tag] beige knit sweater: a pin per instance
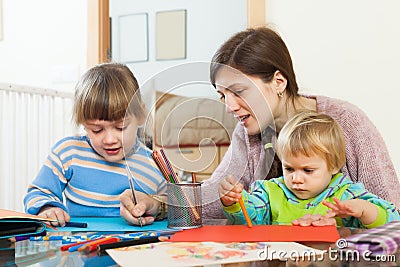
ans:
(367, 158)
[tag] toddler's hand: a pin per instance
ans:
(54, 213)
(345, 208)
(230, 190)
(316, 219)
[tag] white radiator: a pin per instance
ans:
(32, 120)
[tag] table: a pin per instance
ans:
(47, 253)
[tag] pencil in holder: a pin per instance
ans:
(184, 205)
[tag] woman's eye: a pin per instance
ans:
(238, 92)
(308, 170)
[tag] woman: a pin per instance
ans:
(253, 73)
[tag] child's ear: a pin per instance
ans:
(335, 170)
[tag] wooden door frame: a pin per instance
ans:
(98, 32)
(99, 39)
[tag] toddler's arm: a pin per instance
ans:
(230, 190)
(365, 211)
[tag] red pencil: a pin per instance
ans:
(99, 241)
(66, 247)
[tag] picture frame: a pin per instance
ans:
(133, 38)
(171, 34)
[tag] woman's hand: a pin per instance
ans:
(230, 191)
(316, 219)
(54, 213)
(146, 210)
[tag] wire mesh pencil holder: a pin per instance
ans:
(184, 205)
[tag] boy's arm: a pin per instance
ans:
(47, 188)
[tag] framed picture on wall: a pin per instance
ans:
(171, 35)
(133, 38)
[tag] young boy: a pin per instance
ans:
(90, 170)
(312, 150)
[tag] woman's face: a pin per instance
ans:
(253, 102)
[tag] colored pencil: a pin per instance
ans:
(131, 185)
(103, 247)
(93, 247)
(246, 215)
(76, 224)
(161, 167)
(66, 247)
(194, 180)
(96, 242)
(169, 167)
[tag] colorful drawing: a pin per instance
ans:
(204, 251)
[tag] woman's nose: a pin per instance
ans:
(231, 103)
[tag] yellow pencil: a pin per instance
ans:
(246, 215)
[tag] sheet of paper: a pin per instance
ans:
(207, 253)
(257, 233)
(113, 224)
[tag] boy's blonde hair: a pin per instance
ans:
(311, 133)
(106, 92)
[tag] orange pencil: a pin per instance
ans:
(194, 180)
(246, 215)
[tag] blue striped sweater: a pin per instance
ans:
(80, 181)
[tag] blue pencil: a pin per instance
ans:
(76, 224)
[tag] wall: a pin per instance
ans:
(44, 43)
(209, 24)
(348, 50)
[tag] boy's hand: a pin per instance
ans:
(345, 208)
(146, 210)
(316, 219)
(54, 213)
(230, 190)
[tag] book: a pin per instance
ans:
(13, 223)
